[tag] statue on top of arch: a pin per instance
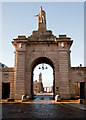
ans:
(41, 16)
(41, 20)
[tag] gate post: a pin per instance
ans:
(19, 76)
(64, 44)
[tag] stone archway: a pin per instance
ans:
(42, 46)
(39, 61)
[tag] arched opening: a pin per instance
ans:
(43, 64)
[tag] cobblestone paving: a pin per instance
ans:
(40, 109)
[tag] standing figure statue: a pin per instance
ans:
(41, 20)
(41, 16)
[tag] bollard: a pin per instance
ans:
(57, 98)
(23, 97)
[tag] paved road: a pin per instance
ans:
(43, 97)
(42, 107)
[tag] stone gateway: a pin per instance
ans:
(43, 47)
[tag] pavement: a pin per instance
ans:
(75, 105)
(47, 98)
(43, 107)
(42, 97)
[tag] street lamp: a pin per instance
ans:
(43, 67)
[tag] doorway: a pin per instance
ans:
(82, 90)
(5, 90)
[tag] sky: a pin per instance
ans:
(62, 18)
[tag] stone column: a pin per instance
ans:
(64, 74)
(19, 74)
(64, 66)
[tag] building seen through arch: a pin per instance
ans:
(43, 47)
(43, 79)
(38, 85)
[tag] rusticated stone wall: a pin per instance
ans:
(7, 76)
